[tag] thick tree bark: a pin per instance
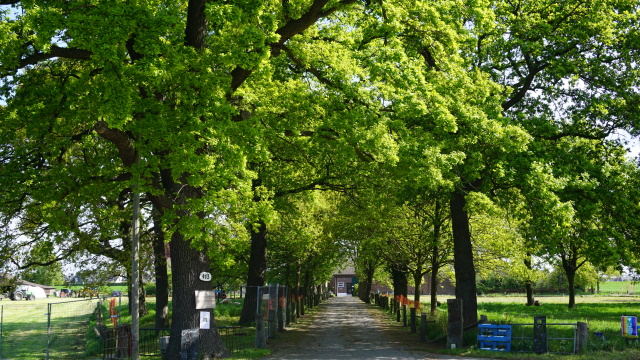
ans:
(161, 274)
(463, 258)
(435, 267)
(400, 281)
(368, 283)
(257, 269)
(435, 259)
(142, 300)
(528, 283)
(186, 265)
(417, 284)
(297, 294)
(570, 270)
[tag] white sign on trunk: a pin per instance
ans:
(205, 276)
(205, 299)
(205, 320)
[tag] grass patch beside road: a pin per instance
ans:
(601, 313)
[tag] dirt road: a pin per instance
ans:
(347, 328)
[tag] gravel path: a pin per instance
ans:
(347, 328)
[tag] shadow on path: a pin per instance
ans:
(347, 328)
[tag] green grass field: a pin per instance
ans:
(24, 325)
(620, 287)
(601, 313)
(24, 328)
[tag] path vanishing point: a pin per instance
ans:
(347, 328)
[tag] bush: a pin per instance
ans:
(150, 290)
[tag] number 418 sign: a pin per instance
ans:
(205, 276)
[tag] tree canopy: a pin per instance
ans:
(227, 116)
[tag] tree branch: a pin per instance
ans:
(293, 27)
(526, 86)
(121, 141)
(56, 51)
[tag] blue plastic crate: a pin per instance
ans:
(494, 337)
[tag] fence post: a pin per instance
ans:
(540, 334)
(412, 319)
(581, 337)
(48, 328)
(423, 327)
(272, 308)
(455, 326)
(404, 315)
(282, 306)
(398, 312)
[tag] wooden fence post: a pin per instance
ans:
(540, 334)
(423, 327)
(581, 338)
(404, 315)
(412, 319)
(455, 326)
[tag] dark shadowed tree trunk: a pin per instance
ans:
(161, 274)
(463, 258)
(400, 281)
(528, 283)
(186, 265)
(435, 256)
(434, 287)
(368, 284)
(142, 300)
(256, 275)
(570, 268)
(417, 285)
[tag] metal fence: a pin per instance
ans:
(557, 338)
(154, 341)
(38, 330)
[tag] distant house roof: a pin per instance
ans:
(25, 282)
(347, 270)
(10, 279)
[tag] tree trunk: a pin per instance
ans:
(161, 274)
(308, 290)
(368, 283)
(186, 265)
(417, 283)
(435, 261)
(256, 276)
(463, 258)
(400, 282)
(298, 301)
(435, 267)
(142, 300)
(528, 283)
(570, 270)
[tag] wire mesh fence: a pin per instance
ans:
(48, 330)
(68, 323)
(558, 338)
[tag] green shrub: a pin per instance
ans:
(150, 290)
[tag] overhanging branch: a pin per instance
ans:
(56, 51)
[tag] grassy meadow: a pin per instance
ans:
(24, 328)
(601, 313)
